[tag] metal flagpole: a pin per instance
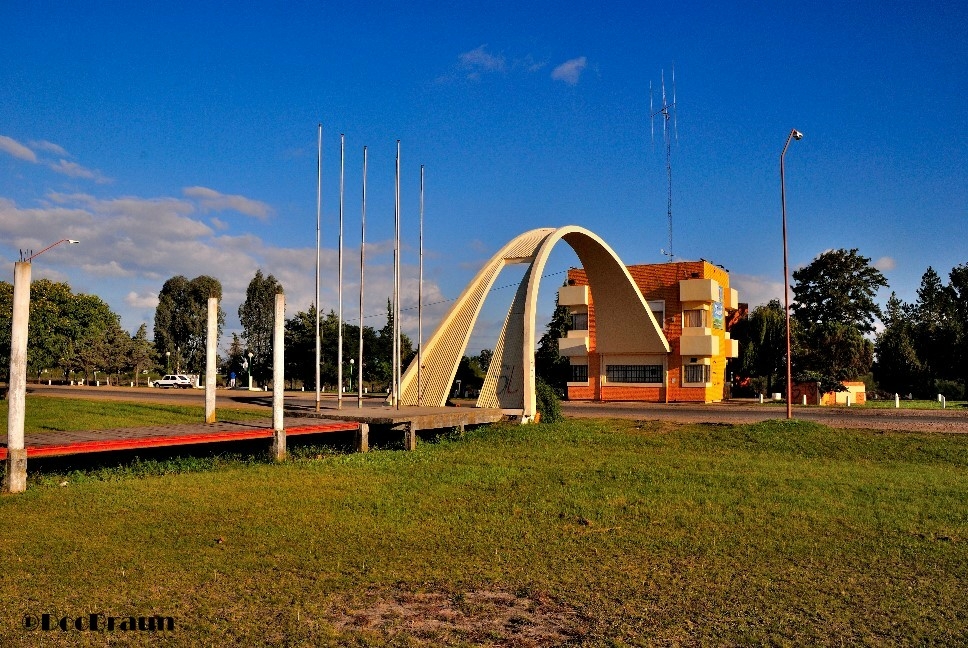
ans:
(359, 383)
(339, 272)
(319, 202)
(396, 310)
(420, 299)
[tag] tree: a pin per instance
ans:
(181, 320)
(763, 345)
(838, 286)
(897, 368)
(257, 316)
(935, 327)
(548, 364)
(141, 355)
(834, 308)
(958, 285)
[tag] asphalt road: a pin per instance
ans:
(953, 420)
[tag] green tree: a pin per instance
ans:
(897, 367)
(935, 328)
(838, 286)
(548, 364)
(958, 285)
(141, 354)
(257, 316)
(181, 320)
(834, 308)
(763, 343)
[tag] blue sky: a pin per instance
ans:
(181, 139)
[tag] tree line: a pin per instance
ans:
(921, 351)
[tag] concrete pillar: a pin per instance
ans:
(278, 378)
(897, 401)
(15, 479)
(363, 438)
(211, 344)
(409, 436)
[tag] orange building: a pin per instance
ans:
(692, 304)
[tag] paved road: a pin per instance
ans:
(950, 420)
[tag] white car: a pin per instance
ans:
(175, 380)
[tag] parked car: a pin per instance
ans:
(174, 380)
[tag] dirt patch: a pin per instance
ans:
(480, 617)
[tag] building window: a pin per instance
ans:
(633, 373)
(694, 318)
(698, 373)
(579, 373)
(579, 322)
(658, 310)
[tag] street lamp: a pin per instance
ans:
(167, 362)
(15, 476)
(250, 371)
(794, 135)
(352, 365)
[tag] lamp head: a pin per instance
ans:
(797, 135)
(72, 241)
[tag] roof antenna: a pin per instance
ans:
(668, 111)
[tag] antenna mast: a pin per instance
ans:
(667, 111)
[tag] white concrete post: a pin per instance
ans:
(211, 345)
(15, 478)
(804, 399)
(848, 399)
(278, 378)
(897, 402)
(943, 402)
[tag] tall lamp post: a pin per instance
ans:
(250, 371)
(794, 135)
(15, 477)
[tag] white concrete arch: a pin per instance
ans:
(624, 322)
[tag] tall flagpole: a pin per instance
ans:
(420, 299)
(359, 383)
(397, 282)
(339, 256)
(319, 202)
(394, 399)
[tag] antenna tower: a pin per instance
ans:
(667, 110)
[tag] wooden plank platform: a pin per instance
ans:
(416, 418)
(53, 444)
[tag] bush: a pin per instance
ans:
(950, 389)
(548, 403)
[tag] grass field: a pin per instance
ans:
(593, 532)
(45, 414)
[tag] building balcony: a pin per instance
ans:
(573, 296)
(699, 290)
(698, 342)
(573, 345)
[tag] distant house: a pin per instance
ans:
(694, 308)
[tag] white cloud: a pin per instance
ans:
(885, 263)
(75, 170)
(50, 147)
(756, 290)
(570, 71)
(211, 200)
(16, 149)
(147, 300)
(478, 60)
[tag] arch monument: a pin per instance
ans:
(624, 323)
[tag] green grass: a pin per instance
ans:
(622, 533)
(917, 404)
(47, 414)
